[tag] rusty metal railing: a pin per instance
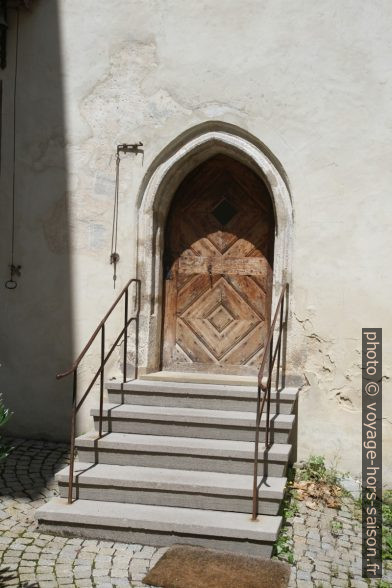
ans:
(270, 355)
(100, 372)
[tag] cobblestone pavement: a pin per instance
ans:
(325, 542)
(31, 559)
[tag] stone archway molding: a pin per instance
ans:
(153, 203)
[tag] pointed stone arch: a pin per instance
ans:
(153, 203)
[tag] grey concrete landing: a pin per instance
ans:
(200, 377)
(159, 525)
(171, 487)
(215, 455)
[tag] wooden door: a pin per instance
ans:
(217, 270)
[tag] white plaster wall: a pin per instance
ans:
(312, 81)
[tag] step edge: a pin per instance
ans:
(58, 511)
(284, 420)
(162, 388)
(273, 453)
(276, 491)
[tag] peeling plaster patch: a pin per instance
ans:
(131, 63)
(323, 367)
(303, 322)
(345, 400)
(55, 227)
(218, 110)
(118, 92)
(319, 339)
(311, 379)
(161, 106)
(328, 364)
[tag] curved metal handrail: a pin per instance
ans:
(93, 336)
(270, 354)
(104, 359)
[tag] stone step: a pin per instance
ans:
(201, 378)
(185, 453)
(160, 525)
(171, 487)
(190, 422)
(196, 395)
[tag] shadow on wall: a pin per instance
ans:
(36, 317)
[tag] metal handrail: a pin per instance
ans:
(104, 359)
(270, 354)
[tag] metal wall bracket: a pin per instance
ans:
(130, 148)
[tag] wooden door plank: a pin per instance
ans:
(243, 266)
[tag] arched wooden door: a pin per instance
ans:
(218, 270)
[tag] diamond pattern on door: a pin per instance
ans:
(224, 212)
(219, 243)
(238, 314)
(220, 318)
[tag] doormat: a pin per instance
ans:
(196, 567)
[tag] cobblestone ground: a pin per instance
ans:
(31, 559)
(325, 542)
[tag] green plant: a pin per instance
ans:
(336, 528)
(387, 525)
(315, 470)
(289, 506)
(283, 548)
(383, 584)
(5, 415)
(387, 508)
(386, 521)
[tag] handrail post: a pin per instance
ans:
(101, 380)
(269, 354)
(270, 367)
(72, 448)
(256, 458)
(125, 335)
(280, 344)
(137, 309)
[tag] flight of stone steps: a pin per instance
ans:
(175, 465)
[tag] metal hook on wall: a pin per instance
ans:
(122, 148)
(11, 284)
